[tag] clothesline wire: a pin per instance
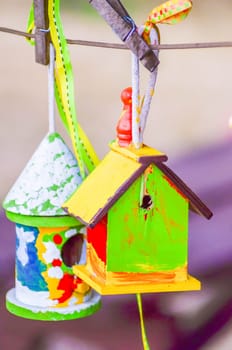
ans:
(106, 45)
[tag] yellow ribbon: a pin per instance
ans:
(64, 90)
(31, 24)
(83, 149)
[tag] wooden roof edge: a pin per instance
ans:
(78, 218)
(153, 159)
(196, 204)
(143, 155)
(103, 211)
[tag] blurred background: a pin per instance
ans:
(193, 96)
(188, 121)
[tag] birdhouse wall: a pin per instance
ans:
(96, 247)
(42, 277)
(28, 267)
(153, 238)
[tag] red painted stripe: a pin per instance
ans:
(97, 237)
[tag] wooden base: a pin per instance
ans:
(109, 289)
(20, 309)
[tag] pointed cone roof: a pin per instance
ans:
(49, 178)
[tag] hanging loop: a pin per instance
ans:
(153, 38)
(135, 102)
(51, 89)
(140, 111)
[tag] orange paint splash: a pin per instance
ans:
(94, 264)
(72, 285)
(130, 238)
(123, 278)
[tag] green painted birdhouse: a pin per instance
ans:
(136, 211)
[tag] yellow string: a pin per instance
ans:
(142, 326)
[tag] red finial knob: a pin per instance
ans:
(124, 126)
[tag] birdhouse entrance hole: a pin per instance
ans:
(72, 250)
(146, 202)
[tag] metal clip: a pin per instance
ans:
(123, 25)
(42, 36)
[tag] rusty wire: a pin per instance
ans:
(107, 45)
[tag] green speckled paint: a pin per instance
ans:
(11, 204)
(53, 188)
(154, 240)
(58, 155)
(52, 137)
(67, 181)
(49, 178)
(47, 205)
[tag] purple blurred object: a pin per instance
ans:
(209, 174)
